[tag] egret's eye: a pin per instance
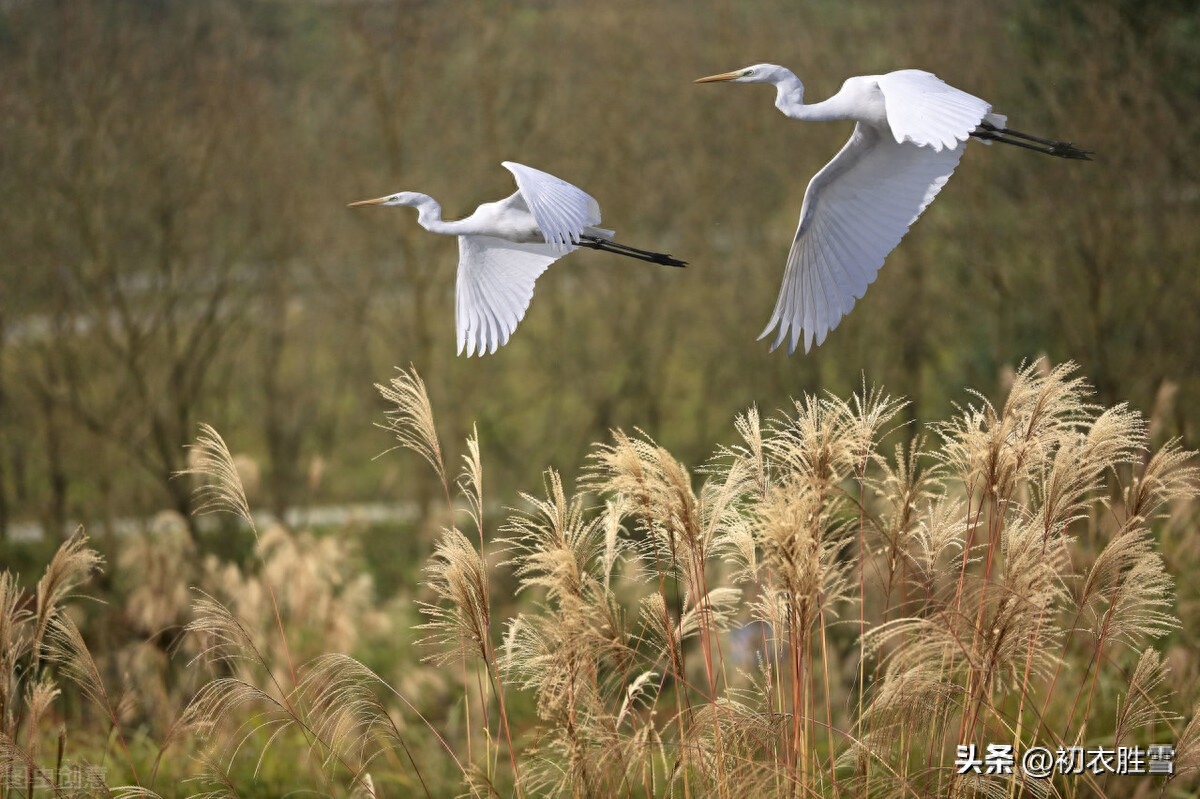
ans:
(747, 73)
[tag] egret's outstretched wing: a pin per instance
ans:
(923, 109)
(561, 210)
(856, 210)
(494, 287)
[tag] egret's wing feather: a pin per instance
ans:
(494, 288)
(925, 110)
(561, 210)
(856, 210)
(514, 202)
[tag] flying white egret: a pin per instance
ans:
(505, 246)
(910, 134)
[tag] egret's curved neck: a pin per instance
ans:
(429, 216)
(789, 98)
(789, 93)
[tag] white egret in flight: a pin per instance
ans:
(911, 131)
(505, 246)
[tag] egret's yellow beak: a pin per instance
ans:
(722, 76)
(376, 201)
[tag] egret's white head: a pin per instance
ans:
(400, 198)
(759, 73)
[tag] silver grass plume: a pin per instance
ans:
(553, 548)
(411, 418)
(656, 489)
(993, 450)
(459, 621)
(219, 487)
(71, 566)
(1144, 700)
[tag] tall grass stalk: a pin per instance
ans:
(800, 616)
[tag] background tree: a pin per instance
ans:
(174, 179)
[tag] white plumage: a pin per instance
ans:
(505, 246)
(855, 211)
(909, 135)
(494, 288)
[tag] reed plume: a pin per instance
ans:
(805, 614)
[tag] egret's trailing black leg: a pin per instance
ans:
(989, 132)
(605, 245)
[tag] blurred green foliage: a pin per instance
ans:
(173, 179)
